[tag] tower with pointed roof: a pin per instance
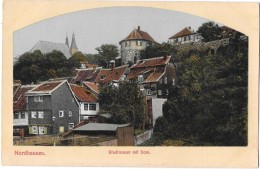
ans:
(73, 46)
(67, 41)
(131, 46)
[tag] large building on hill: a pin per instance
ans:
(130, 46)
(186, 35)
(47, 47)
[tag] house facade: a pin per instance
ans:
(20, 113)
(186, 35)
(88, 105)
(52, 108)
(131, 46)
(154, 76)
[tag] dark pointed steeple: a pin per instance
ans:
(67, 41)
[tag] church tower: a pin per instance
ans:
(67, 41)
(73, 46)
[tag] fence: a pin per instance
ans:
(143, 137)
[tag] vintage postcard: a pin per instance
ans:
(148, 84)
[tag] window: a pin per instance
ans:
(38, 98)
(127, 43)
(40, 114)
(92, 106)
(165, 80)
(41, 130)
(61, 113)
(71, 125)
(159, 92)
(16, 115)
(140, 78)
(85, 106)
(22, 115)
(138, 43)
(148, 44)
(34, 130)
(70, 113)
(61, 129)
(167, 92)
(33, 114)
(149, 92)
(173, 82)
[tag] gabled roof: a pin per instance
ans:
(109, 75)
(19, 99)
(184, 32)
(92, 86)
(153, 62)
(47, 47)
(88, 74)
(46, 87)
(82, 94)
(137, 34)
(99, 127)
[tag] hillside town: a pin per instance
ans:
(76, 110)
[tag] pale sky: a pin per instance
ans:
(99, 26)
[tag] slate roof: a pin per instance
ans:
(88, 74)
(93, 86)
(153, 62)
(46, 87)
(47, 47)
(100, 127)
(82, 94)
(109, 75)
(184, 32)
(137, 34)
(19, 99)
(73, 42)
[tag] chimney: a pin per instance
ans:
(113, 64)
(189, 28)
(138, 28)
(165, 57)
(135, 60)
(94, 68)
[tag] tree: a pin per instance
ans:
(106, 53)
(125, 103)
(210, 31)
(156, 50)
(209, 104)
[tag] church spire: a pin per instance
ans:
(67, 41)
(73, 46)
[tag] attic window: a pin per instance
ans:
(102, 77)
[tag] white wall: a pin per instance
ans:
(21, 122)
(157, 104)
(88, 112)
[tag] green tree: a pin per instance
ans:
(156, 50)
(125, 103)
(209, 104)
(210, 31)
(106, 53)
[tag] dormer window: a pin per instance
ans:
(102, 77)
(140, 78)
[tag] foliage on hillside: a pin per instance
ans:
(125, 103)
(209, 104)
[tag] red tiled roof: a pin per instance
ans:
(154, 76)
(92, 86)
(153, 62)
(183, 32)
(108, 75)
(138, 34)
(82, 94)
(19, 99)
(48, 86)
(85, 74)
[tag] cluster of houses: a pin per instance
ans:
(57, 106)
